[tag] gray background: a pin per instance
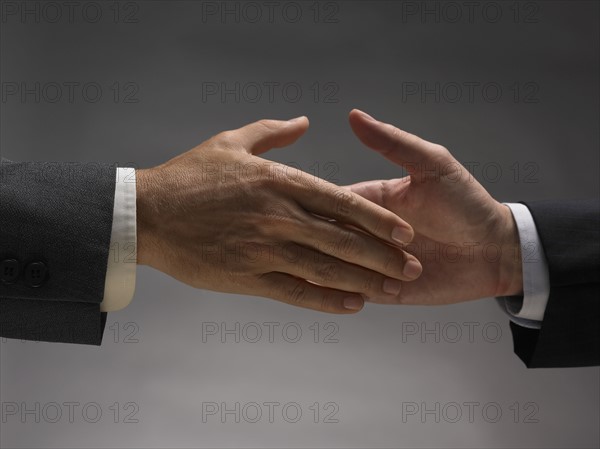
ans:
(375, 367)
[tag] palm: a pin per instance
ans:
(457, 223)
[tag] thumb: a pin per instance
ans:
(261, 136)
(400, 147)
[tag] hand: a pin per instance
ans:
(467, 242)
(220, 218)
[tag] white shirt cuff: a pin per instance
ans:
(529, 310)
(121, 270)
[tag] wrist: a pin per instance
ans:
(145, 207)
(510, 267)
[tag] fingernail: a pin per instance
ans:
(353, 303)
(297, 119)
(402, 235)
(367, 116)
(412, 269)
(392, 286)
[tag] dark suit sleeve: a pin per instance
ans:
(570, 334)
(55, 229)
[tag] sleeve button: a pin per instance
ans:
(9, 271)
(35, 274)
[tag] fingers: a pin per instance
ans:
(400, 147)
(299, 292)
(261, 136)
(327, 271)
(367, 254)
(328, 200)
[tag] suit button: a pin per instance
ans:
(35, 274)
(9, 271)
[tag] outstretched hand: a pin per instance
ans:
(467, 242)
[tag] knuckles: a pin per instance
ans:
(345, 203)
(327, 272)
(225, 138)
(298, 294)
(268, 124)
(392, 262)
(347, 244)
(371, 284)
(441, 151)
(327, 303)
(279, 221)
